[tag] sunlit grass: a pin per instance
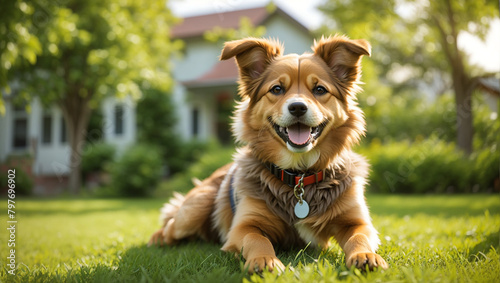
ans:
(442, 238)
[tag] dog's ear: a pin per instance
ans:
(253, 56)
(343, 56)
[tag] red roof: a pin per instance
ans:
(197, 25)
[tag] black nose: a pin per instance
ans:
(297, 109)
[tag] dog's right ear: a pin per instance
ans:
(253, 56)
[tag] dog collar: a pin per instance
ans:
(293, 178)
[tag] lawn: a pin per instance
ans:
(444, 238)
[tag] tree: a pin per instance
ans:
(417, 40)
(90, 50)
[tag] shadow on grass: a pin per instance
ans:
(491, 241)
(193, 262)
(188, 262)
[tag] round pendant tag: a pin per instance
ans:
(301, 210)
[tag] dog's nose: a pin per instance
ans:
(297, 109)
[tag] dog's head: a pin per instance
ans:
(298, 111)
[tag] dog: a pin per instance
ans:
(295, 179)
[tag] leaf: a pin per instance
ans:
(29, 54)
(2, 107)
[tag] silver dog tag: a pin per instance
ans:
(301, 209)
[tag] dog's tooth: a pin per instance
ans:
(281, 129)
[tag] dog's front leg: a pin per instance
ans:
(359, 248)
(253, 227)
(359, 240)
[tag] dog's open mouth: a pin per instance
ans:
(298, 135)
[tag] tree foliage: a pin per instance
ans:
(74, 53)
(416, 41)
(98, 48)
(404, 33)
(17, 42)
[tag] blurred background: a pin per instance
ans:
(128, 98)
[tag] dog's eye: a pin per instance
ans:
(277, 90)
(319, 90)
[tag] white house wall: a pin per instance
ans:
(181, 110)
(52, 158)
(121, 141)
(294, 39)
(199, 57)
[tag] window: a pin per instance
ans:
(119, 111)
(20, 136)
(47, 129)
(20, 130)
(64, 135)
(195, 122)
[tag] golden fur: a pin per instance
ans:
(324, 83)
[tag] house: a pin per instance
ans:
(205, 87)
(203, 92)
(35, 141)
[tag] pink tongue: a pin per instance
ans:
(299, 133)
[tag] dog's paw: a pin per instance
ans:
(259, 264)
(361, 260)
(162, 237)
(156, 239)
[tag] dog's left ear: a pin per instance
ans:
(253, 56)
(343, 56)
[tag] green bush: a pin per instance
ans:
(210, 160)
(397, 118)
(486, 168)
(23, 182)
(429, 166)
(137, 172)
(156, 121)
(96, 156)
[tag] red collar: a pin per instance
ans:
(292, 178)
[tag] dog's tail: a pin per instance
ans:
(170, 209)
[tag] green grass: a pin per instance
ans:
(424, 239)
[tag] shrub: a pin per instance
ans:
(156, 121)
(429, 166)
(189, 153)
(137, 172)
(486, 168)
(96, 156)
(210, 160)
(23, 182)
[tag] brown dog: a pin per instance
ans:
(295, 180)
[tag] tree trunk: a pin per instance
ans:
(465, 127)
(76, 115)
(462, 83)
